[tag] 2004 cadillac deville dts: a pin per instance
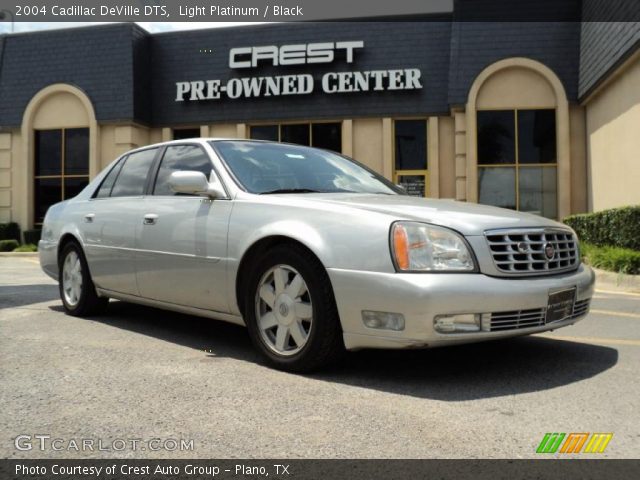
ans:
(312, 251)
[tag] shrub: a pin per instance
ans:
(29, 247)
(614, 259)
(8, 245)
(10, 231)
(32, 236)
(618, 227)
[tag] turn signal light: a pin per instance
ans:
(401, 247)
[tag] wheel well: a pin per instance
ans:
(66, 239)
(252, 255)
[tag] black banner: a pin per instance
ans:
(122, 469)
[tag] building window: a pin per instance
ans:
(517, 160)
(61, 167)
(410, 156)
(184, 133)
(327, 135)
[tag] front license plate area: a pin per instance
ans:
(560, 305)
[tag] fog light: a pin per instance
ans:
(469, 322)
(383, 320)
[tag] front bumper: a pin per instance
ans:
(422, 296)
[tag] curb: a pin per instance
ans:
(19, 254)
(619, 282)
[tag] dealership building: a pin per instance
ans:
(542, 117)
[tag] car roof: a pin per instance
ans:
(199, 140)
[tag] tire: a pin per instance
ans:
(77, 292)
(290, 311)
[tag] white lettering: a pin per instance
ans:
(328, 87)
(412, 78)
(349, 47)
(320, 52)
(197, 90)
(233, 57)
(268, 52)
(273, 86)
(234, 88)
(292, 54)
(252, 86)
(303, 84)
(289, 85)
(295, 54)
(213, 89)
(395, 80)
(181, 89)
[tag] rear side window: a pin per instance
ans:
(180, 158)
(133, 174)
(109, 180)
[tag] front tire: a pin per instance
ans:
(290, 311)
(77, 291)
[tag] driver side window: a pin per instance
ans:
(180, 158)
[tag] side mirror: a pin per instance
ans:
(194, 183)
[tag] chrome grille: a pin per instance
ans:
(516, 319)
(524, 252)
(580, 308)
(535, 317)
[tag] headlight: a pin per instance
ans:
(419, 247)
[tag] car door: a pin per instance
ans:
(110, 225)
(181, 241)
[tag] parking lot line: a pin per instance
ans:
(613, 292)
(615, 314)
(597, 340)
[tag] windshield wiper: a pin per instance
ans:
(290, 190)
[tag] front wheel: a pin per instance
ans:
(291, 312)
(77, 292)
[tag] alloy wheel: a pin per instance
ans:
(283, 310)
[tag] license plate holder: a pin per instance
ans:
(560, 305)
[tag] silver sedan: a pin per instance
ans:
(313, 252)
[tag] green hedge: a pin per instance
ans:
(8, 245)
(618, 227)
(26, 248)
(32, 236)
(10, 231)
(613, 259)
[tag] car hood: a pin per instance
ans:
(466, 218)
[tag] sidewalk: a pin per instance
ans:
(618, 282)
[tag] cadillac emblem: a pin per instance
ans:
(523, 247)
(549, 251)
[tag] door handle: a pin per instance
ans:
(88, 218)
(150, 219)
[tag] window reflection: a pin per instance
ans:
(132, 178)
(497, 186)
(264, 168)
(518, 140)
(61, 166)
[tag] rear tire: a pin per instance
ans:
(77, 291)
(290, 311)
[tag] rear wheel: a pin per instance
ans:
(290, 311)
(77, 292)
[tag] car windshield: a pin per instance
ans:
(265, 168)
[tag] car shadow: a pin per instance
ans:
(457, 373)
(474, 371)
(12, 296)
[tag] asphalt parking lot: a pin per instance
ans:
(141, 373)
